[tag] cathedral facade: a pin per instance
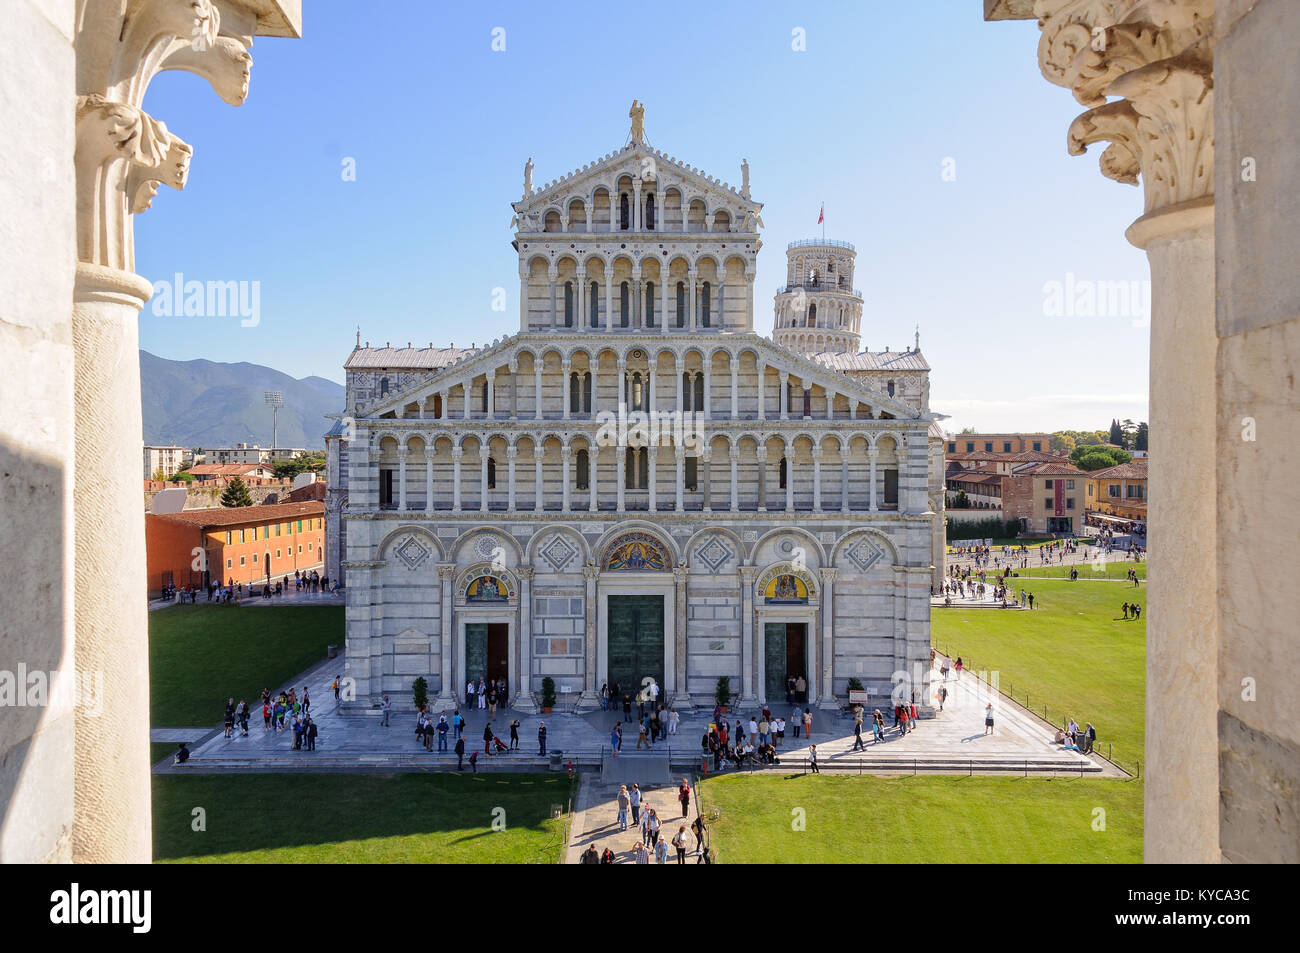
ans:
(636, 486)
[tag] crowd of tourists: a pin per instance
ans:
(659, 838)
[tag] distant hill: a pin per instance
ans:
(206, 404)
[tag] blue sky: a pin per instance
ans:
(864, 119)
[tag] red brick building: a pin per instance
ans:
(247, 544)
(1045, 497)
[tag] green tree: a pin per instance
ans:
(1095, 461)
(1140, 438)
(290, 467)
(1116, 434)
(236, 494)
(1063, 440)
(184, 476)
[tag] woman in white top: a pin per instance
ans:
(673, 719)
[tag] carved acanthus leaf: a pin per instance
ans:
(227, 65)
(1115, 123)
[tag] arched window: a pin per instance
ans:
(583, 477)
(623, 209)
(492, 473)
(691, 474)
(688, 393)
(575, 393)
(568, 304)
(698, 402)
(782, 473)
(485, 397)
(637, 391)
(594, 304)
(586, 393)
(383, 386)
(624, 304)
(681, 304)
(649, 304)
(891, 388)
(704, 305)
(812, 315)
(650, 212)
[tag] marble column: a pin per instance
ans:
(402, 453)
(537, 387)
(735, 386)
(708, 393)
(446, 678)
(491, 411)
(565, 374)
(789, 478)
(522, 692)
(748, 657)
(589, 699)
(784, 395)
(705, 467)
(735, 481)
(620, 456)
(652, 456)
(762, 373)
(539, 454)
(872, 456)
(826, 655)
(566, 453)
(817, 479)
(484, 452)
(761, 453)
(457, 454)
(691, 279)
(593, 480)
(680, 454)
(429, 460)
(676, 688)
(844, 479)
(512, 452)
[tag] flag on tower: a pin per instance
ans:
(821, 214)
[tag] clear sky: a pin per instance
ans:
(936, 145)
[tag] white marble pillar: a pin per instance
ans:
(761, 453)
(691, 279)
(522, 691)
(844, 479)
(457, 454)
(652, 456)
(491, 394)
(735, 385)
(609, 299)
(708, 393)
(785, 395)
(514, 390)
(663, 301)
(580, 300)
(566, 453)
(622, 384)
(565, 374)
(762, 374)
(620, 455)
(789, 478)
(735, 479)
(680, 375)
(593, 479)
(402, 454)
(872, 456)
(466, 388)
(484, 451)
(429, 459)
(747, 646)
(704, 468)
(817, 479)
(537, 387)
(446, 679)
(539, 453)
(444, 407)
(551, 275)
(830, 404)
(511, 453)
(827, 652)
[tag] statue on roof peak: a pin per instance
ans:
(637, 115)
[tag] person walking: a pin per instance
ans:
(634, 801)
(877, 727)
(460, 754)
(812, 759)
(988, 719)
(482, 694)
(943, 696)
(807, 722)
(673, 720)
(487, 739)
(311, 734)
(541, 738)
(797, 720)
(442, 732)
(684, 795)
(698, 827)
(623, 803)
(661, 851)
(469, 694)
(857, 732)
(654, 826)
(679, 842)
(387, 708)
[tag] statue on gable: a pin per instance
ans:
(744, 177)
(528, 177)
(637, 115)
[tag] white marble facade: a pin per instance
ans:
(635, 438)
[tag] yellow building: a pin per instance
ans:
(1119, 491)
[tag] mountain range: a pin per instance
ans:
(207, 404)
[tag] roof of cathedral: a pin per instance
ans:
(872, 361)
(412, 357)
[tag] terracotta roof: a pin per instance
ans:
(974, 476)
(228, 469)
(1133, 470)
(238, 515)
(872, 361)
(1048, 469)
(420, 358)
(1036, 455)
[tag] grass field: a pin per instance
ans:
(1086, 571)
(359, 819)
(1076, 655)
(924, 820)
(201, 655)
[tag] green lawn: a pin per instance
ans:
(927, 819)
(360, 819)
(1086, 571)
(201, 655)
(1076, 655)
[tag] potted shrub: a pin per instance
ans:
(420, 688)
(722, 694)
(548, 694)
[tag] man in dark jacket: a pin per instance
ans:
(311, 735)
(541, 737)
(460, 754)
(487, 738)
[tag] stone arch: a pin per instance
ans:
(623, 533)
(483, 568)
(814, 546)
(397, 537)
(843, 555)
(786, 568)
(715, 562)
(542, 542)
(472, 546)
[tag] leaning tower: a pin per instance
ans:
(818, 309)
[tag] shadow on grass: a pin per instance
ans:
(258, 812)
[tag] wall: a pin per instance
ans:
(37, 233)
(1257, 90)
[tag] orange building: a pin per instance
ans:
(247, 544)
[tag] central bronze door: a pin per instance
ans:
(636, 642)
(487, 651)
